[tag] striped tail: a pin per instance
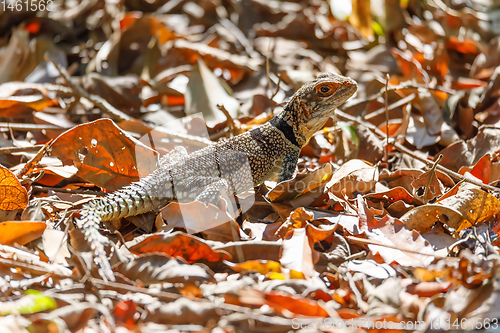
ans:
(89, 223)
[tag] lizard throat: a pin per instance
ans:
(286, 129)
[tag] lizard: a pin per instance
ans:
(209, 173)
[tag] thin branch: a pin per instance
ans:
(386, 121)
(229, 119)
(30, 165)
(64, 190)
(404, 87)
(31, 127)
(97, 100)
(456, 176)
(10, 150)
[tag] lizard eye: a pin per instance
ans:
(325, 90)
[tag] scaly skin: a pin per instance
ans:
(227, 167)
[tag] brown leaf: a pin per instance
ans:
(427, 182)
(263, 267)
(422, 218)
(392, 232)
(184, 312)
(353, 176)
(297, 219)
(104, 154)
(180, 245)
(468, 153)
(428, 289)
(252, 250)
(283, 303)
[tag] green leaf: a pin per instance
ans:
(34, 301)
(349, 130)
(379, 31)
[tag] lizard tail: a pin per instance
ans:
(89, 222)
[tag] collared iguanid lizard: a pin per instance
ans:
(270, 149)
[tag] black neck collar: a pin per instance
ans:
(286, 129)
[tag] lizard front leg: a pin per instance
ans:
(289, 165)
(217, 190)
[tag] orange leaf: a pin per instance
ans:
(22, 233)
(480, 170)
(104, 154)
(12, 194)
(180, 245)
(261, 266)
(465, 47)
(281, 302)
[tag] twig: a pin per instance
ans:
(277, 88)
(10, 150)
(30, 127)
(33, 161)
(97, 100)
(64, 190)
(229, 120)
(386, 122)
(405, 87)
(456, 176)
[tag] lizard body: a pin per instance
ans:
(227, 167)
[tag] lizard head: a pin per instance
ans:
(312, 105)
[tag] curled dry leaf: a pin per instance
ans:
(12, 194)
(475, 205)
(468, 153)
(487, 169)
(250, 250)
(180, 245)
(104, 154)
(427, 186)
(428, 289)
(204, 92)
(353, 176)
(301, 185)
(422, 218)
(393, 195)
